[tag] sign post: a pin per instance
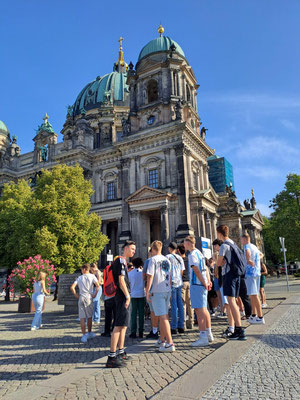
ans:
(109, 257)
(283, 249)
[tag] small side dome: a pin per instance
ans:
(3, 129)
(162, 43)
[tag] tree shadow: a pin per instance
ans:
(27, 375)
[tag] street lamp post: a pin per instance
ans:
(283, 249)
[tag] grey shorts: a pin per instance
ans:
(85, 307)
(160, 303)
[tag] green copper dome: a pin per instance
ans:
(110, 88)
(162, 43)
(3, 128)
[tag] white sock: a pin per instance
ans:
(231, 329)
(203, 334)
(208, 330)
(154, 330)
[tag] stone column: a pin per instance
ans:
(135, 228)
(214, 226)
(165, 232)
(202, 222)
(167, 168)
(205, 173)
(179, 84)
(172, 82)
(125, 188)
(183, 87)
(137, 172)
(184, 227)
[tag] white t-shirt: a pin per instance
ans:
(137, 287)
(252, 271)
(225, 251)
(197, 259)
(177, 268)
(86, 284)
(160, 268)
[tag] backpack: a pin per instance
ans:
(237, 264)
(109, 287)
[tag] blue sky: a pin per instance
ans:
(245, 55)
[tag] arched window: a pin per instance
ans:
(152, 91)
(188, 93)
(97, 140)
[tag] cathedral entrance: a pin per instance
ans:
(112, 234)
(155, 225)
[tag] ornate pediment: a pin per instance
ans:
(209, 195)
(146, 193)
(255, 214)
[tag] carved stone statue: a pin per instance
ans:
(229, 191)
(126, 126)
(203, 132)
(253, 203)
(44, 152)
(178, 110)
(247, 204)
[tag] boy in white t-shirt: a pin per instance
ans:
(159, 281)
(137, 294)
(200, 284)
(86, 283)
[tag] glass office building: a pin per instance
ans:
(220, 173)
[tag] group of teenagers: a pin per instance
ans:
(162, 282)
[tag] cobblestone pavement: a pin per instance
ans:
(269, 369)
(28, 357)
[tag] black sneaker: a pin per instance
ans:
(124, 357)
(237, 335)
(174, 331)
(152, 335)
(226, 333)
(132, 335)
(105, 334)
(114, 362)
(180, 330)
(141, 335)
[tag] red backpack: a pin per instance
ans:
(109, 287)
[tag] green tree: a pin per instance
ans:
(285, 221)
(53, 220)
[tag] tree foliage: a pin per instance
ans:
(53, 220)
(284, 222)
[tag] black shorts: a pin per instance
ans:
(122, 313)
(231, 285)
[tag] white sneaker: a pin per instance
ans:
(91, 335)
(159, 343)
(201, 342)
(252, 319)
(167, 348)
(264, 305)
(210, 337)
(96, 322)
(84, 338)
(34, 328)
(259, 321)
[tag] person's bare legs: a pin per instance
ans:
(207, 318)
(229, 315)
(154, 320)
(82, 325)
(256, 305)
(201, 318)
(115, 336)
(121, 340)
(234, 310)
(262, 295)
(240, 304)
(220, 301)
(165, 328)
(89, 324)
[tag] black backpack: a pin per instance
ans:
(237, 264)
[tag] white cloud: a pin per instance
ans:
(263, 172)
(288, 124)
(257, 100)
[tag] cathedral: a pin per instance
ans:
(137, 134)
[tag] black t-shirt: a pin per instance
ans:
(119, 267)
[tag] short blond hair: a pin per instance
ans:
(156, 245)
(190, 239)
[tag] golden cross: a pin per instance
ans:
(121, 40)
(46, 117)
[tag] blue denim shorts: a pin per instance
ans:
(160, 303)
(198, 296)
(216, 284)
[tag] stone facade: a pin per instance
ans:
(144, 154)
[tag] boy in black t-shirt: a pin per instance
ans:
(122, 302)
